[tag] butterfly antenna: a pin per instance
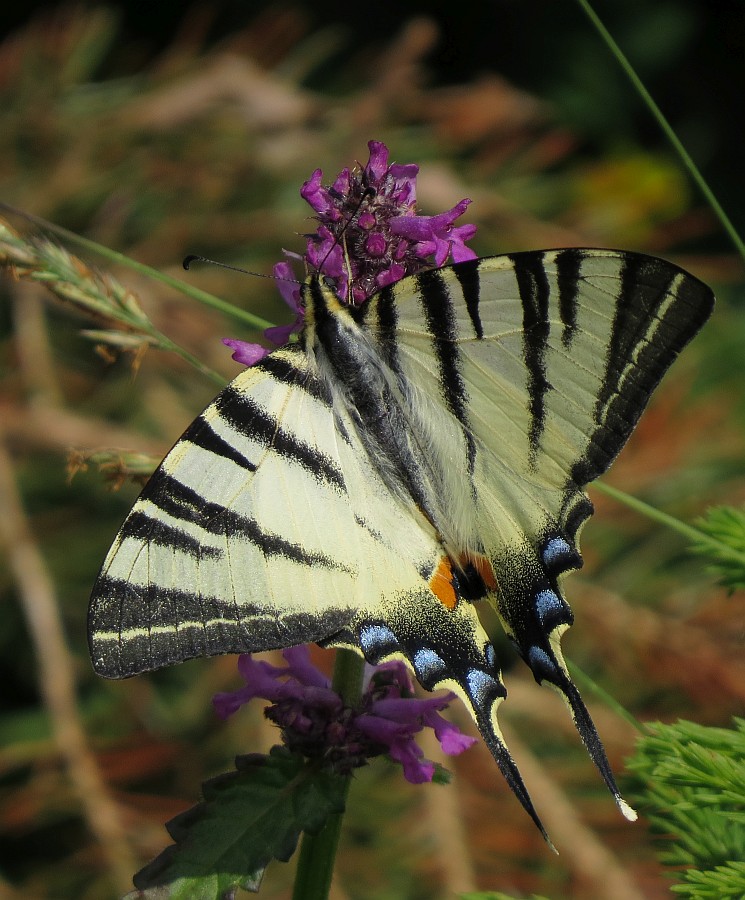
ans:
(192, 257)
(341, 237)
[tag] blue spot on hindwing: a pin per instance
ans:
(377, 641)
(481, 686)
(428, 666)
(555, 551)
(491, 656)
(541, 664)
(547, 605)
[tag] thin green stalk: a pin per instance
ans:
(666, 128)
(189, 290)
(695, 535)
(315, 866)
(349, 667)
(165, 343)
(585, 681)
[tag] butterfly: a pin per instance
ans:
(369, 485)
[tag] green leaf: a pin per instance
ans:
(726, 526)
(721, 883)
(247, 818)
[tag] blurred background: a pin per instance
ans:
(161, 130)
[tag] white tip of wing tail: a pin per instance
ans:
(626, 811)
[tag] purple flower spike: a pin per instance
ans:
(315, 722)
(369, 236)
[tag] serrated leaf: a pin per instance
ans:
(247, 818)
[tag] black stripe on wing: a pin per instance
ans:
(371, 401)
(659, 309)
(242, 412)
(469, 280)
(289, 366)
(437, 305)
(136, 628)
(202, 434)
(383, 307)
(533, 287)
(183, 503)
(144, 528)
(568, 266)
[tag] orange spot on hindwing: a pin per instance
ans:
(472, 579)
(441, 584)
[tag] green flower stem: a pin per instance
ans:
(666, 128)
(695, 535)
(165, 343)
(583, 680)
(315, 866)
(189, 290)
(349, 667)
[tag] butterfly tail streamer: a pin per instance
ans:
(590, 738)
(507, 766)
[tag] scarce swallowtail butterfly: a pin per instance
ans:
(370, 484)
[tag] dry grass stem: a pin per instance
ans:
(56, 677)
(70, 279)
(445, 825)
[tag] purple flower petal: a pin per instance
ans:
(280, 334)
(451, 738)
(227, 703)
(301, 667)
(316, 724)
(436, 234)
(390, 275)
(378, 161)
(314, 194)
(244, 352)
(458, 249)
(375, 245)
(417, 770)
(406, 174)
(399, 672)
(369, 235)
(288, 286)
